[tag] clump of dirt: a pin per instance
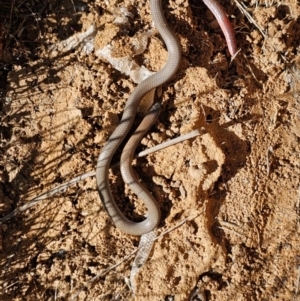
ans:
(236, 185)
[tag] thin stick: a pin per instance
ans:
(242, 7)
(45, 195)
(64, 186)
(88, 283)
(169, 143)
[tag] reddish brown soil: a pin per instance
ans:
(238, 183)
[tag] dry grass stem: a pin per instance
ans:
(64, 186)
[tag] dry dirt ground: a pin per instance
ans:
(238, 183)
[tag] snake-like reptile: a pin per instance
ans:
(130, 110)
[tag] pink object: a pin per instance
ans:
(224, 22)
